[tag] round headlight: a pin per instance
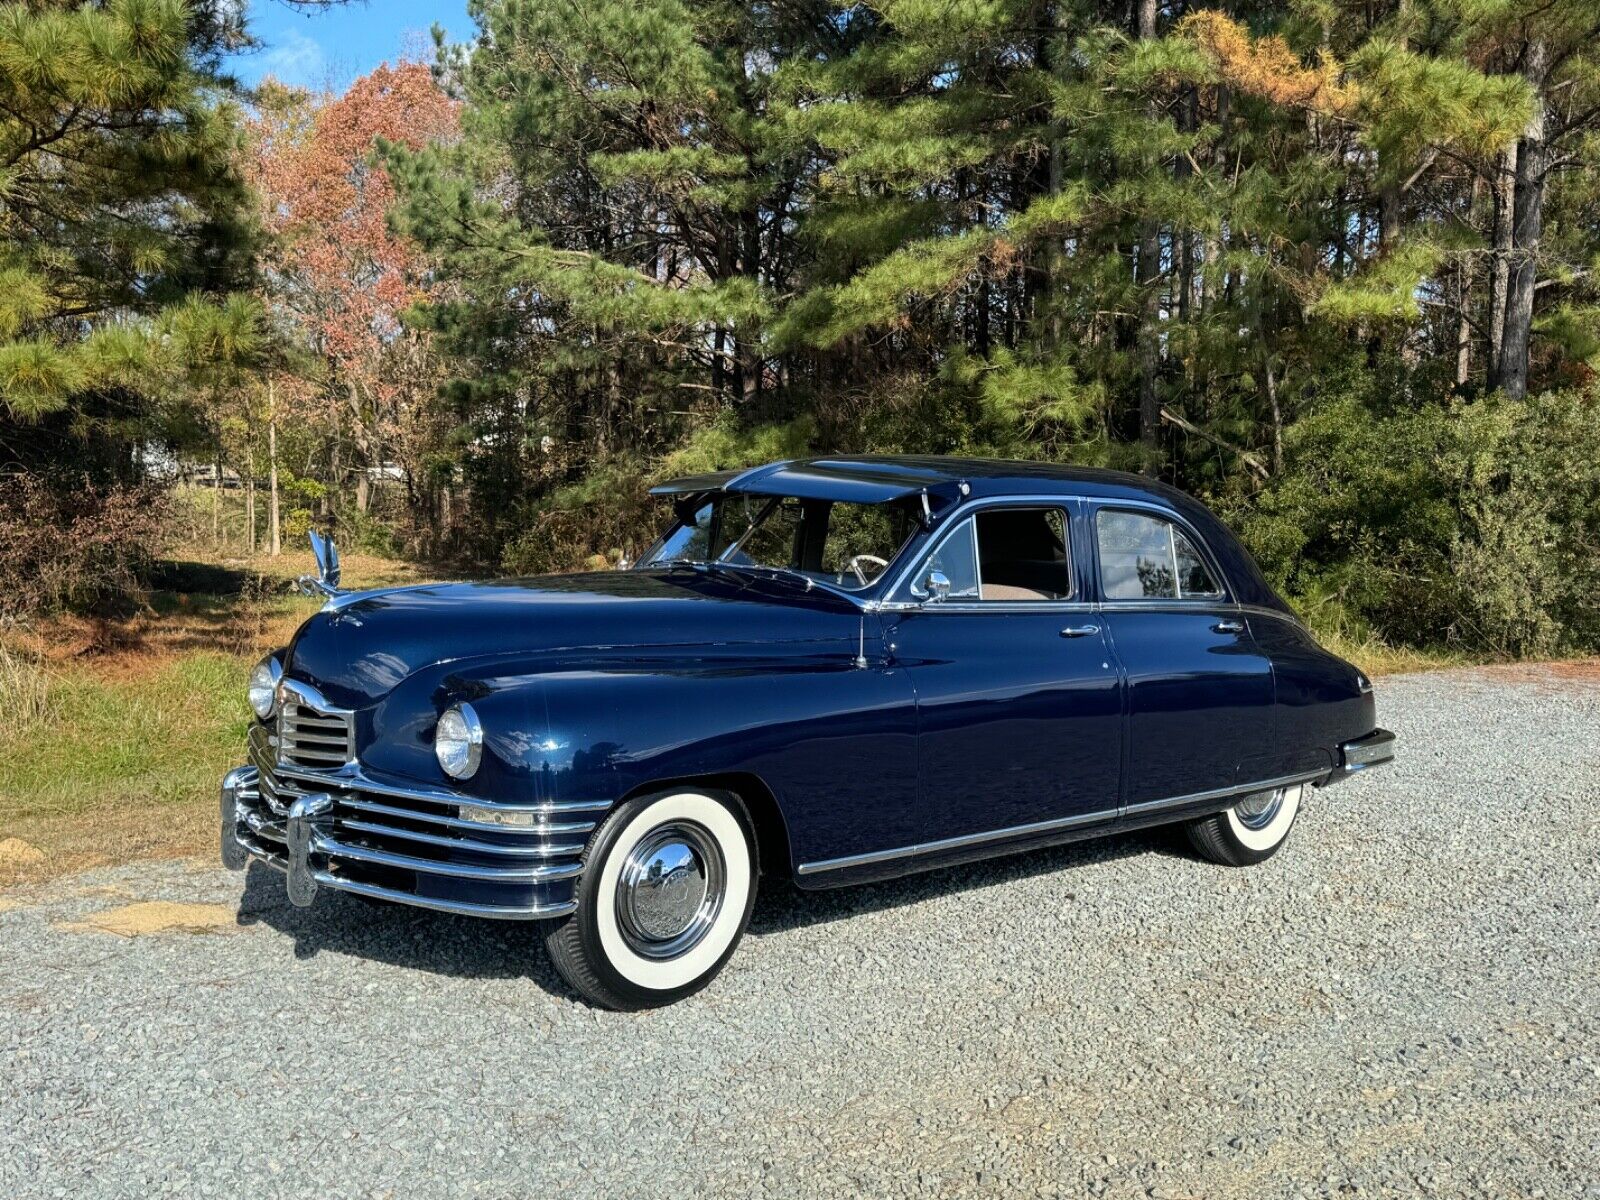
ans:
(458, 742)
(262, 689)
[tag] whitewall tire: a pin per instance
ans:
(1251, 831)
(668, 885)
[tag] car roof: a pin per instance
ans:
(946, 481)
(880, 478)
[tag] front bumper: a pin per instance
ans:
(346, 830)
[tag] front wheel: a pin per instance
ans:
(666, 893)
(1249, 832)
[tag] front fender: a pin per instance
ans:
(819, 731)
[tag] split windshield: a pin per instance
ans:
(837, 542)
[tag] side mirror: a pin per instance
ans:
(936, 587)
(326, 579)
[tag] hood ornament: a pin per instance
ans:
(326, 581)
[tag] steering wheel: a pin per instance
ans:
(855, 565)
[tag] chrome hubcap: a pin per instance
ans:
(1258, 811)
(670, 890)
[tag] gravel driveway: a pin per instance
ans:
(1406, 1000)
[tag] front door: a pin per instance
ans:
(1200, 691)
(1019, 707)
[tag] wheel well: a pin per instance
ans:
(772, 834)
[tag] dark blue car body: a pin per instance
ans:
(867, 736)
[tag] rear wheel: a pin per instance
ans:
(1249, 832)
(666, 893)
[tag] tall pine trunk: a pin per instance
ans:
(1148, 277)
(274, 521)
(1504, 193)
(1533, 162)
(250, 510)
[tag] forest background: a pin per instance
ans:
(1328, 265)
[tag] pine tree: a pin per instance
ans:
(118, 198)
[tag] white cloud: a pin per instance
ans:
(293, 58)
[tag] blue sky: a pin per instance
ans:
(332, 48)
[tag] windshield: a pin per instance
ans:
(837, 542)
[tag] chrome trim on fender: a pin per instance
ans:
(1107, 817)
(543, 828)
(323, 843)
(474, 845)
(465, 908)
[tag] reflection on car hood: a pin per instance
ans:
(358, 650)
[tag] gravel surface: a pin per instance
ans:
(1405, 1000)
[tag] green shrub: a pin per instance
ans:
(1471, 525)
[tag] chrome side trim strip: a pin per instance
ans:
(955, 843)
(466, 908)
(1107, 817)
(1266, 785)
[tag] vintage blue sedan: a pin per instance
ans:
(830, 671)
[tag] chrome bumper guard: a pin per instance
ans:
(343, 829)
(1373, 750)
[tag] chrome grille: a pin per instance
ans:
(403, 839)
(309, 737)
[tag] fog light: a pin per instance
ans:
(504, 820)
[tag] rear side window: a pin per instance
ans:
(1146, 558)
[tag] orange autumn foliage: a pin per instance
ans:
(1267, 67)
(326, 198)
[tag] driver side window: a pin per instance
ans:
(957, 560)
(1004, 554)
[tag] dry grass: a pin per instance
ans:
(1376, 657)
(143, 715)
(27, 699)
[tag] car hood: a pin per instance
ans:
(361, 647)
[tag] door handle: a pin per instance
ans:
(1080, 631)
(1228, 627)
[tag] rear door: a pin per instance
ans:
(1019, 717)
(1200, 691)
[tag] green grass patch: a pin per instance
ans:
(147, 734)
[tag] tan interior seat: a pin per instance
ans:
(1003, 591)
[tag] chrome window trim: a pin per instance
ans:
(1190, 606)
(1102, 817)
(1097, 505)
(1074, 602)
